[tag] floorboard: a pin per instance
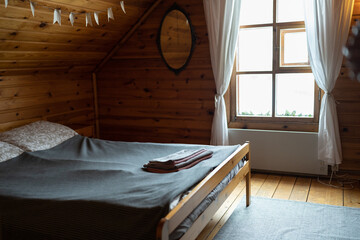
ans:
(352, 197)
(285, 187)
(268, 188)
(257, 180)
(301, 189)
(320, 193)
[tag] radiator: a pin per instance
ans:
(281, 151)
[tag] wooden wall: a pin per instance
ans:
(141, 100)
(347, 95)
(61, 97)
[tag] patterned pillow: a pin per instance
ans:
(37, 136)
(8, 151)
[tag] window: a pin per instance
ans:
(273, 86)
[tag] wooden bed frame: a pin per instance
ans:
(170, 222)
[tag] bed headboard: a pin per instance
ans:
(10, 125)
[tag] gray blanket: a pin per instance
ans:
(93, 189)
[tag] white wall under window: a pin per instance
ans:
(281, 151)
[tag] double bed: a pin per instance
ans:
(61, 185)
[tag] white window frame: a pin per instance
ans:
(274, 123)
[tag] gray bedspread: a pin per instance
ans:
(93, 189)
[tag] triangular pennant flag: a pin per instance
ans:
(122, 4)
(96, 16)
(32, 7)
(72, 18)
(57, 16)
(88, 19)
(110, 14)
(6, 3)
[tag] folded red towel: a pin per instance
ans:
(178, 156)
(176, 169)
(180, 162)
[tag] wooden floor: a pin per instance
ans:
(304, 189)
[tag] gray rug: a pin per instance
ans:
(272, 219)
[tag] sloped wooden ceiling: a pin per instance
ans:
(34, 43)
(45, 68)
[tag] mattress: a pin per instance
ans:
(93, 189)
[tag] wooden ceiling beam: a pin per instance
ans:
(127, 36)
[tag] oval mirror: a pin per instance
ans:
(176, 39)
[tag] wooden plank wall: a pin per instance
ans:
(63, 97)
(347, 95)
(141, 100)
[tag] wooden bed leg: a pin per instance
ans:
(248, 179)
(248, 188)
(162, 232)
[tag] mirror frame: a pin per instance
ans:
(175, 6)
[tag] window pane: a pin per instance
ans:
(255, 49)
(256, 12)
(295, 95)
(294, 51)
(290, 10)
(254, 95)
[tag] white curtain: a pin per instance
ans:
(222, 19)
(327, 25)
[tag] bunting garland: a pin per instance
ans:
(88, 19)
(122, 4)
(71, 18)
(96, 17)
(110, 14)
(57, 13)
(57, 16)
(32, 7)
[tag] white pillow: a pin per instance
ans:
(8, 151)
(37, 136)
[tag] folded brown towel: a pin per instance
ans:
(159, 170)
(178, 161)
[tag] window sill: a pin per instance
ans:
(279, 126)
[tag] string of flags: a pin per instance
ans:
(88, 20)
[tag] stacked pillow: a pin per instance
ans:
(8, 151)
(35, 136)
